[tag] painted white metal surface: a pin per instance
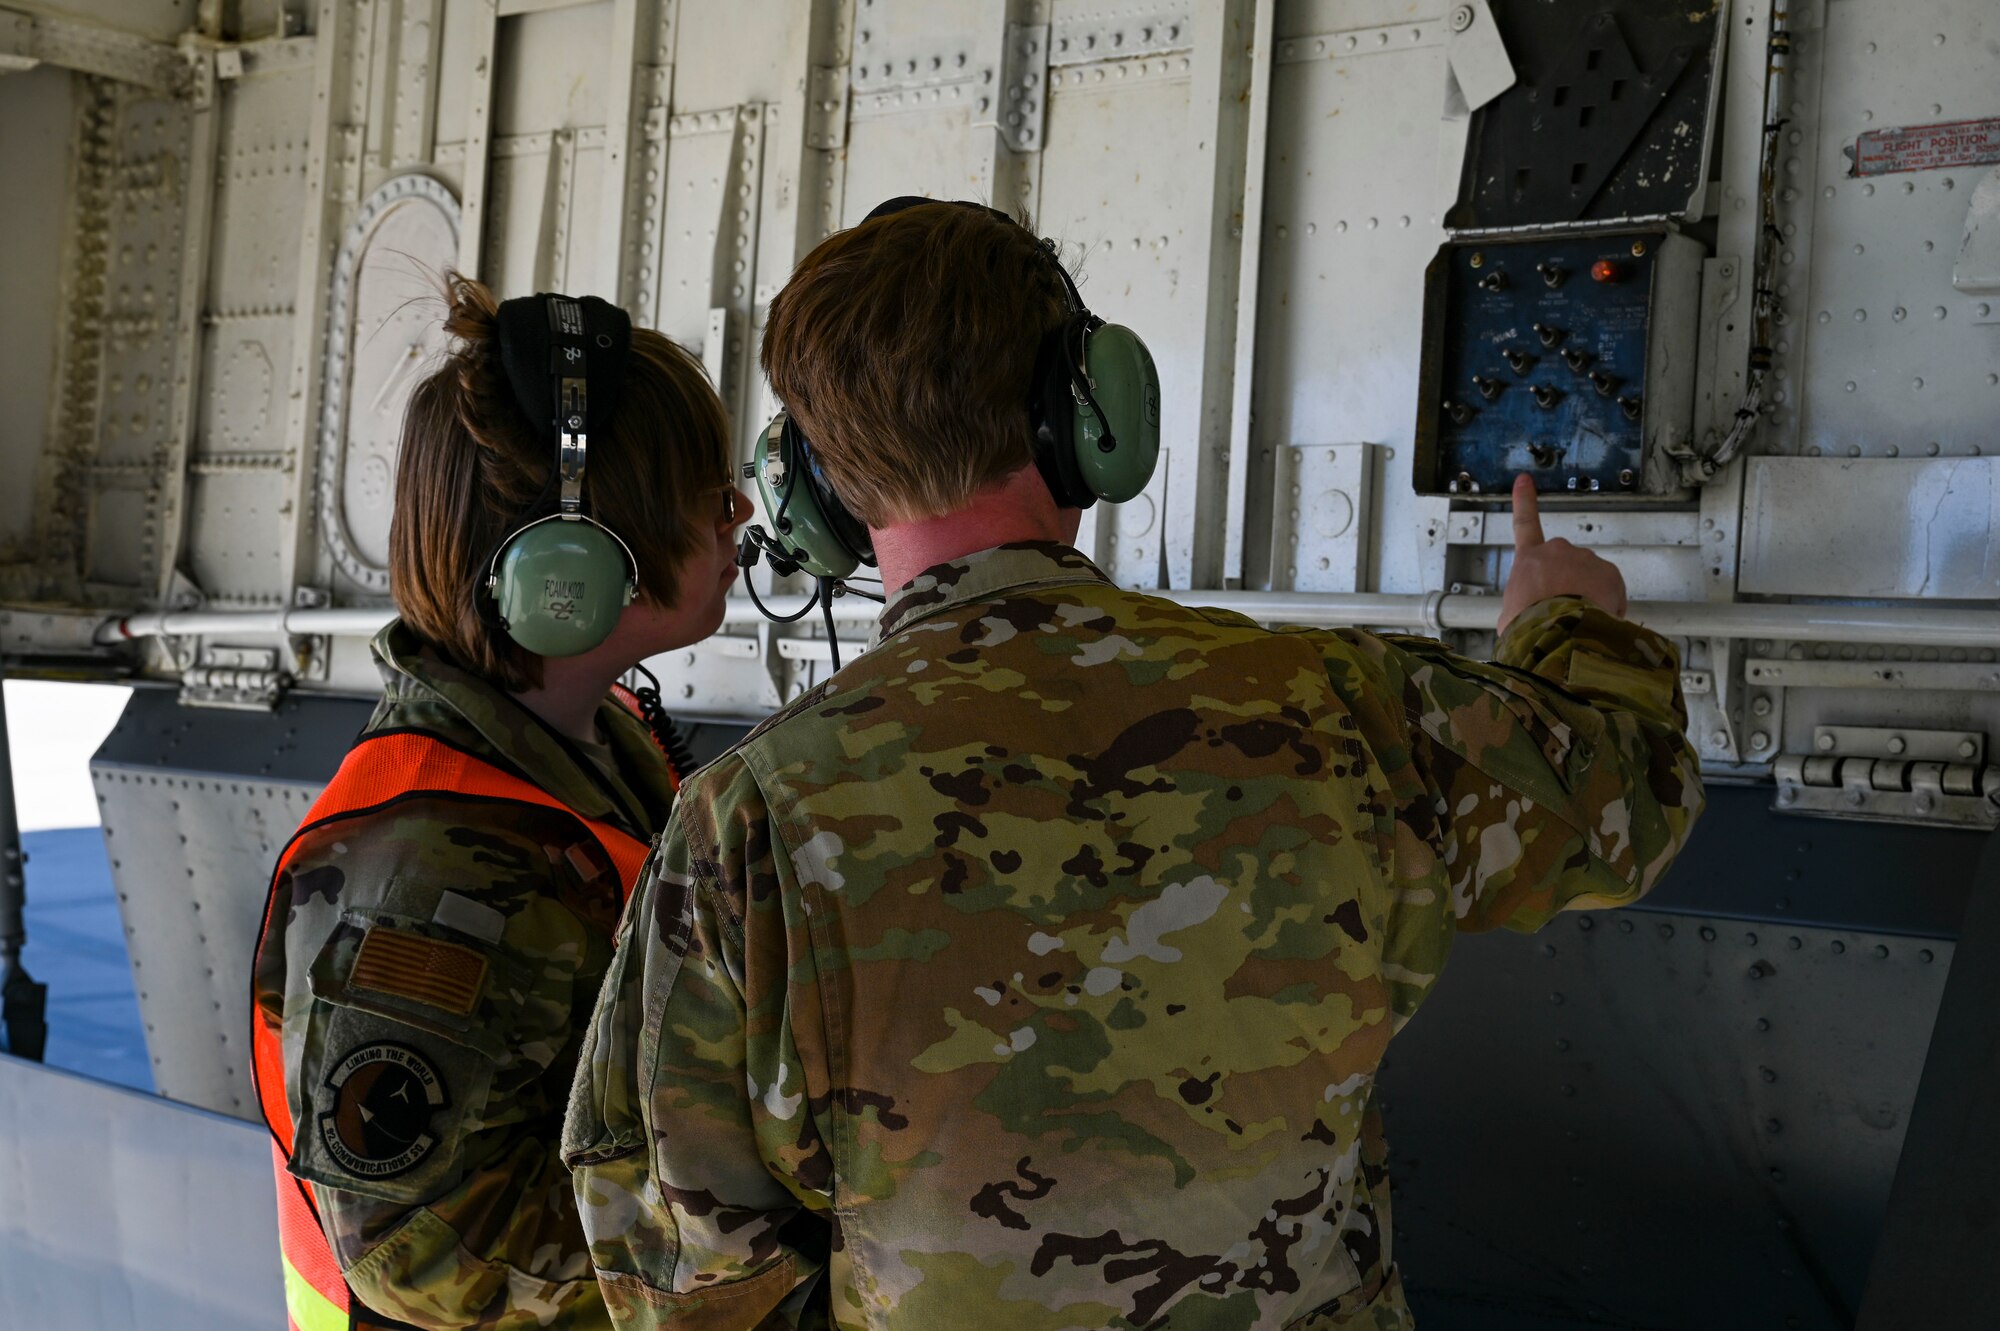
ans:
(128, 1210)
(1873, 527)
(1256, 187)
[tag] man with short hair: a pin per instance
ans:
(1033, 971)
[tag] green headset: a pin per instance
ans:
(1094, 400)
(560, 580)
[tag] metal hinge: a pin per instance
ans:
(1935, 777)
(239, 678)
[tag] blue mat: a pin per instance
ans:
(76, 946)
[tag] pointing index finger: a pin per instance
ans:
(1527, 513)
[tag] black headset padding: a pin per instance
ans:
(1051, 405)
(902, 201)
(528, 350)
(849, 530)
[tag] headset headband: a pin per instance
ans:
(565, 359)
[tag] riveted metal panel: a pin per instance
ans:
(545, 65)
(1872, 527)
(233, 506)
(39, 109)
(1356, 181)
(141, 209)
(1931, 1267)
(196, 806)
(739, 53)
(1668, 1118)
(922, 150)
(1125, 220)
(1892, 362)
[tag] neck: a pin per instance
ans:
(1015, 509)
(572, 686)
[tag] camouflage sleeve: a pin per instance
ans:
(1557, 777)
(695, 1126)
(430, 1051)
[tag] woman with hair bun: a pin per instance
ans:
(438, 927)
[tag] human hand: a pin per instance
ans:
(1544, 568)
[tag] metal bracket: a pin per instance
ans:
(1943, 746)
(826, 108)
(236, 678)
(1024, 76)
(89, 49)
(1479, 68)
(1978, 266)
(1099, 35)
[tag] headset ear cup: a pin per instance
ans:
(560, 586)
(1055, 415)
(1115, 457)
(793, 502)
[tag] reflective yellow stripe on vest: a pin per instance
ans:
(310, 1310)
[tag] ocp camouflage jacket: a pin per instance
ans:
(453, 1211)
(1034, 971)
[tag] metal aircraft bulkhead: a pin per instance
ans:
(221, 274)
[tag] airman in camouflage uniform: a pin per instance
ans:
(1034, 971)
(428, 1108)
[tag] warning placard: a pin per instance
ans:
(1926, 147)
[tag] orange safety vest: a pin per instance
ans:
(376, 770)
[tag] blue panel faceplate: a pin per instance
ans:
(1537, 356)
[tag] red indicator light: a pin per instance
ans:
(1604, 270)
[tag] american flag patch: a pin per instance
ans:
(423, 970)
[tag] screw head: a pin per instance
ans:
(1824, 743)
(1966, 748)
(1897, 744)
(1638, 249)
(1477, 260)
(1461, 18)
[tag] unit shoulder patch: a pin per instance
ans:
(384, 1095)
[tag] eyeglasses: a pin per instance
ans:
(731, 499)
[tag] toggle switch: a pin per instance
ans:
(1546, 395)
(1552, 273)
(1576, 358)
(1545, 455)
(1550, 336)
(1517, 361)
(1603, 383)
(1630, 406)
(1458, 411)
(1488, 388)
(1493, 281)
